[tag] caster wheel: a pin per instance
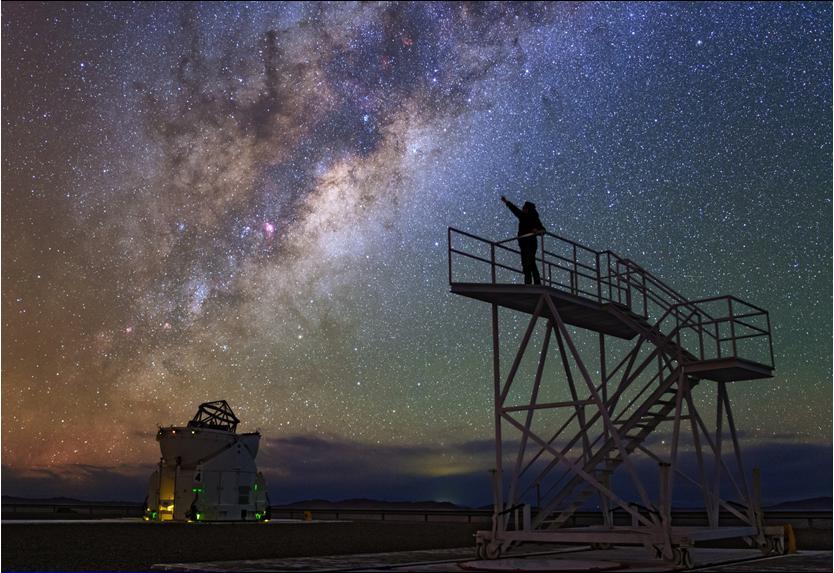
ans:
(776, 545)
(683, 558)
(480, 552)
(493, 550)
(658, 552)
(763, 544)
(780, 546)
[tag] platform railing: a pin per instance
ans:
(606, 277)
(732, 328)
(563, 264)
(572, 267)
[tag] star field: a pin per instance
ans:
(249, 202)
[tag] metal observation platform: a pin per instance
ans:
(613, 422)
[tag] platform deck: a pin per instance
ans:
(729, 369)
(576, 310)
(597, 316)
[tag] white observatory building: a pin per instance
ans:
(207, 471)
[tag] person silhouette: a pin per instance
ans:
(529, 226)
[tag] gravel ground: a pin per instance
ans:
(137, 546)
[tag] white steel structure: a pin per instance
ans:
(617, 401)
(207, 471)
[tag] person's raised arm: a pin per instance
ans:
(515, 210)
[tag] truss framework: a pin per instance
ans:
(608, 423)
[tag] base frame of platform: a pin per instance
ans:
(675, 550)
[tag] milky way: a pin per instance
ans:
(249, 202)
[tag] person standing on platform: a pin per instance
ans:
(529, 227)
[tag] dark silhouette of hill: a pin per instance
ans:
(63, 501)
(363, 503)
(810, 503)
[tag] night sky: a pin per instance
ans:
(249, 202)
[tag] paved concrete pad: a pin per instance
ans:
(421, 560)
(533, 564)
(625, 559)
(811, 561)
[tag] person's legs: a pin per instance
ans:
(528, 262)
(525, 267)
(534, 268)
(528, 276)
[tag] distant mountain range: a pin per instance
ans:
(810, 503)
(362, 503)
(63, 501)
(306, 504)
(814, 503)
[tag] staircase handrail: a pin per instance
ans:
(679, 299)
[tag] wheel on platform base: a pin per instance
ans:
(781, 546)
(480, 551)
(658, 551)
(492, 550)
(776, 545)
(683, 558)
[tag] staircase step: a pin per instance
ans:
(565, 515)
(672, 419)
(608, 457)
(643, 419)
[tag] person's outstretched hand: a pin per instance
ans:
(503, 199)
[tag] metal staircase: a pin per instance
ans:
(666, 345)
(633, 431)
